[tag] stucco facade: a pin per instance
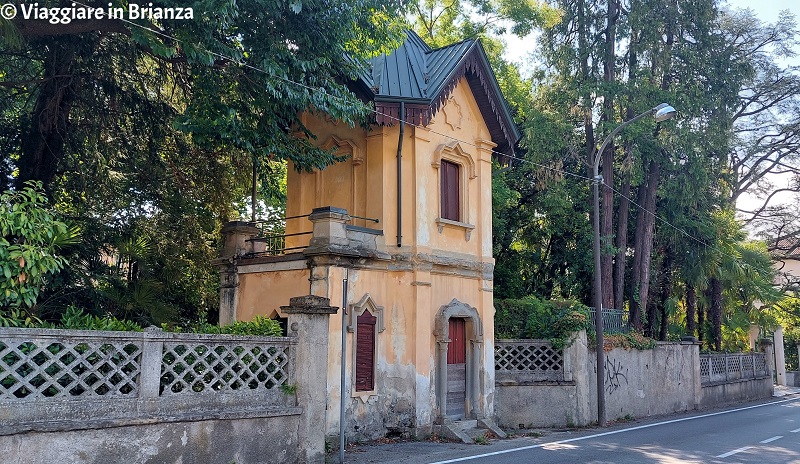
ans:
(377, 225)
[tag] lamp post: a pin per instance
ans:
(661, 112)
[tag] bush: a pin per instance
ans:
(76, 319)
(530, 317)
(628, 341)
(260, 325)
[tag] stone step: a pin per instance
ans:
(468, 430)
(465, 424)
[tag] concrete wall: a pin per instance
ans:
(638, 383)
(735, 392)
(643, 383)
(154, 423)
(237, 441)
(522, 404)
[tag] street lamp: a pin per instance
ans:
(661, 112)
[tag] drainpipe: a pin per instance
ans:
(400, 175)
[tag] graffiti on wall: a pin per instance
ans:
(615, 374)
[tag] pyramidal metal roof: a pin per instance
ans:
(423, 78)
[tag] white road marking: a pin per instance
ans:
(613, 432)
(771, 439)
(731, 453)
(795, 430)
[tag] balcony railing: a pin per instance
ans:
(272, 242)
(614, 320)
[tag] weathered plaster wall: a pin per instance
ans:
(263, 293)
(642, 383)
(637, 383)
(735, 392)
(522, 404)
(241, 441)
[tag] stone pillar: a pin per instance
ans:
(235, 236)
(576, 362)
(697, 384)
(780, 357)
(329, 232)
(766, 347)
(754, 332)
(473, 381)
(441, 379)
(308, 321)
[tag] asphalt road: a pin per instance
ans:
(758, 433)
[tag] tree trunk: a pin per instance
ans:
(607, 213)
(701, 322)
(585, 78)
(666, 292)
(645, 228)
(635, 316)
(43, 145)
(622, 242)
(624, 203)
(691, 310)
(715, 308)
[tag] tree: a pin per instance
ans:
(30, 237)
(151, 130)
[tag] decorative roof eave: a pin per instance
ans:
(475, 67)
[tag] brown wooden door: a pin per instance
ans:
(456, 369)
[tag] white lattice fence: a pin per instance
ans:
(731, 367)
(528, 360)
(198, 367)
(42, 364)
(51, 364)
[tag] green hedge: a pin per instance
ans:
(531, 317)
(76, 319)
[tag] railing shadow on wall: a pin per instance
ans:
(68, 379)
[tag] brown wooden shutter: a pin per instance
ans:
(365, 352)
(450, 191)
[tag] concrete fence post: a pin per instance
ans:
(150, 374)
(309, 318)
(780, 357)
(766, 347)
(578, 355)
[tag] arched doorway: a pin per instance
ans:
(459, 338)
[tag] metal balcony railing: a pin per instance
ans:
(614, 320)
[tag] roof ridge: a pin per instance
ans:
(456, 44)
(410, 34)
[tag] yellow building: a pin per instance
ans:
(406, 221)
